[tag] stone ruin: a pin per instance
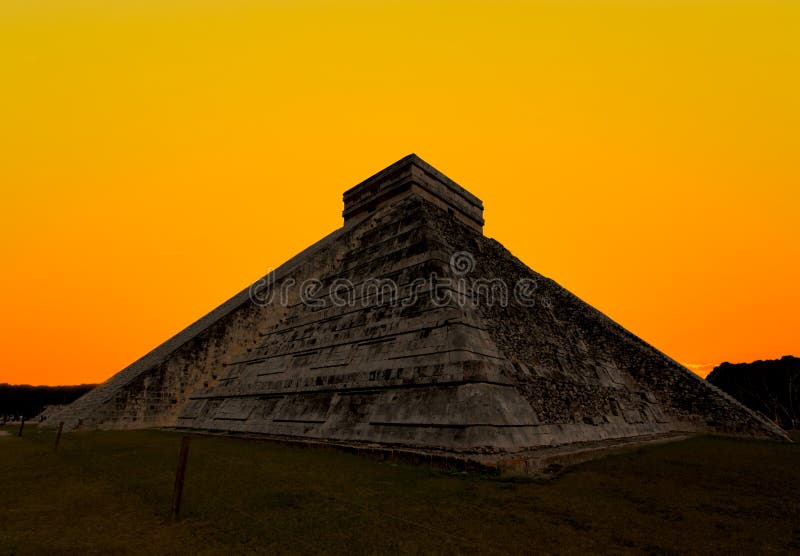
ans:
(408, 329)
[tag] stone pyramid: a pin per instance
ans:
(408, 328)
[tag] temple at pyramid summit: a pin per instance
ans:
(408, 329)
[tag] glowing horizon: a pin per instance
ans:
(158, 157)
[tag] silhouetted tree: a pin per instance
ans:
(28, 401)
(771, 387)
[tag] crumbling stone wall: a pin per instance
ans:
(583, 366)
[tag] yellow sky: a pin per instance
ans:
(158, 156)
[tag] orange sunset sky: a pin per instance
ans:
(158, 156)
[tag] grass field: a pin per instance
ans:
(107, 492)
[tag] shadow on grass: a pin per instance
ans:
(110, 491)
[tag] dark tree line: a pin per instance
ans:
(28, 401)
(771, 387)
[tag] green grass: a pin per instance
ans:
(110, 492)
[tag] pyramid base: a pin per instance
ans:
(541, 462)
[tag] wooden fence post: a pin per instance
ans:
(180, 475)
(58, 434)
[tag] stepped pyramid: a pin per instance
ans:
(408, 328)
